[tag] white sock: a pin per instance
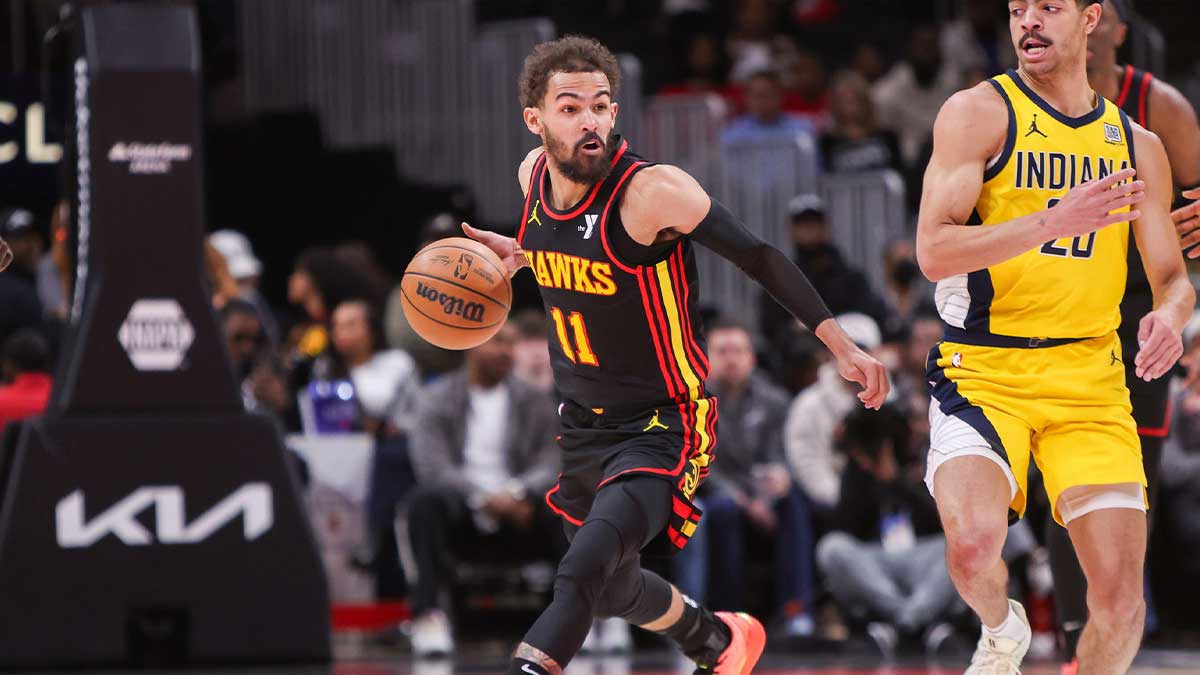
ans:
(1012, 628)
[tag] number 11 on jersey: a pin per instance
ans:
(582, 352)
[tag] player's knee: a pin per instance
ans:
(588, 564)
(1116, 601)
(835, 550)
(971, 552)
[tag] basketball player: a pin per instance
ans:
(1025, 225)
(609, 238)
(1161, 108)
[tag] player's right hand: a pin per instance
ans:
(864, 369)
(1187, 224)
(506, 247)
(1089, 207)
(6, 255)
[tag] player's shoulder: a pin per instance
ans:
(981, 104)
(1145, 140)
(975, 119)
(663, 184)
(1163, 94)
(525, 170)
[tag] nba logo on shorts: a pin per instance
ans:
(956, 360)
(1112, 133)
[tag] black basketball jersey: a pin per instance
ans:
(622, 335)
(1134, 99)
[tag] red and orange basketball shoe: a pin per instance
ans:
(747, 639)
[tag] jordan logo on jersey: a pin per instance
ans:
(655, 424)
(1033, 129)
(533, 217)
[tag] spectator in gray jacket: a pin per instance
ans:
(484, 451)
(814, 416)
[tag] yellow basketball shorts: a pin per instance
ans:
(1066, 405)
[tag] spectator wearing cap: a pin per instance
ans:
(246, 270)
(19, 304)
(432, 360)
(25, 368)
(813, 418)
(844, 288)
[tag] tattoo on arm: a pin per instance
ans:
(530, 653)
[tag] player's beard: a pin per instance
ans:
(576, 166)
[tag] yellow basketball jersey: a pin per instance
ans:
(1069, 288)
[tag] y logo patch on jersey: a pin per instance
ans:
(533, 217)
(956, 360)
(656, 424)
(591, 219)
(1112, 133)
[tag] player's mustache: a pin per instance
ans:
(592, 136)
(1035, 36)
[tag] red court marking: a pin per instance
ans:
(368, 616)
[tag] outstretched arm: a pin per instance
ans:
(665, 202)
(970, 129)
(1174, 298)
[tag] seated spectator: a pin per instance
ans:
(749, 42)
(18, 294)
(483, 446)
(909, 97)
(806, 86)
(431, 359)
(319, 283)
(854, 141)
(765, 118)
(53, 273)
(813, 418)
(25, 369)
(244, 339)
(531, 355)
(387, 387)
(886, 558)
(909, 380)
(246, 270)
(704, 70)
(386, 381)
(844, 288)
(751, 493)
(907, 292)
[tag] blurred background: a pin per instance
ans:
(340, 135)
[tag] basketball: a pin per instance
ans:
(456, 293)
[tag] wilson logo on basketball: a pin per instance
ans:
(452, 305)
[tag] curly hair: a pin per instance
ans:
(570, 54)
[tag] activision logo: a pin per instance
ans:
(149, 158)
(156, 334)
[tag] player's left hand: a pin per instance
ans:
(864, 369)
(1187, 224)
(1161, 346)
(6, 255)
